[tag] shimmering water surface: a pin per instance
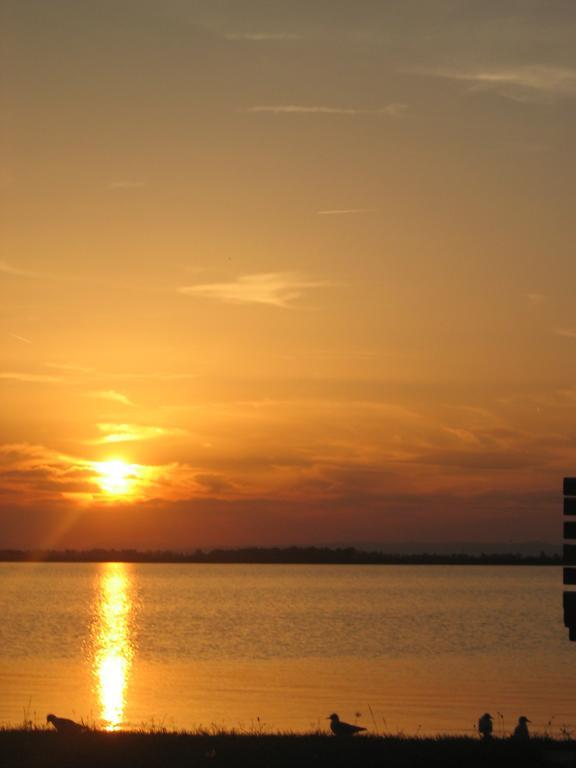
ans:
(414, 649)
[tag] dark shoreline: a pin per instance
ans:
(273, 556)
(45, 749)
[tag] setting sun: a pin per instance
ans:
(116, 477)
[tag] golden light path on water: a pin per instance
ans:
(113, 646)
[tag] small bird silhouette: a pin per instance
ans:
(339, 728)
(521, 732)
(64, 725)
(485, 726)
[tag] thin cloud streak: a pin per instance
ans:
(113, 395)
(69, 367)
(345, 211)
(33, 378)
(125, 433)
(22, 339)
(536, 299)
(567, 333)
(523, 83)
(125, 184)
(262, 36)
(11, 270)
(8, 269)
(277, 289)
(391, 110)
(152, 376)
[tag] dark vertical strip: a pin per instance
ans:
(569, 572)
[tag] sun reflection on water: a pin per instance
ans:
(113, 646)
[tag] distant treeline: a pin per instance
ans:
(274, 555)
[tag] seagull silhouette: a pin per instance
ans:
(339, 728)
(521, 732)
(63, 725)
(485, 726)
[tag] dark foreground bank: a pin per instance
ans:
(43, 749)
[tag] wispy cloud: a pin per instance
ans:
(125, 184)
(152, 375)
(344, 211)
(16, 271)
(522, 83)
(278, 289)
(9, 269)
(69, 367)
(22, 339)
(258, 37)
(33, 378)
(113, 395)
(536, 299)
(125, 433)
(568, 333)
(390, 110)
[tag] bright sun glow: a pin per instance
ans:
(116, 477)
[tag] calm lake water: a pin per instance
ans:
(413, 649)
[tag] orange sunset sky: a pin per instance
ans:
(286, 272)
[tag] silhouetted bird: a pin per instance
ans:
(521, 732)
(339, 728)
(485, 726)
(63, 725)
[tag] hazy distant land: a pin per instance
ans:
(278, 555)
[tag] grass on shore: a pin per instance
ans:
(41, 748)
